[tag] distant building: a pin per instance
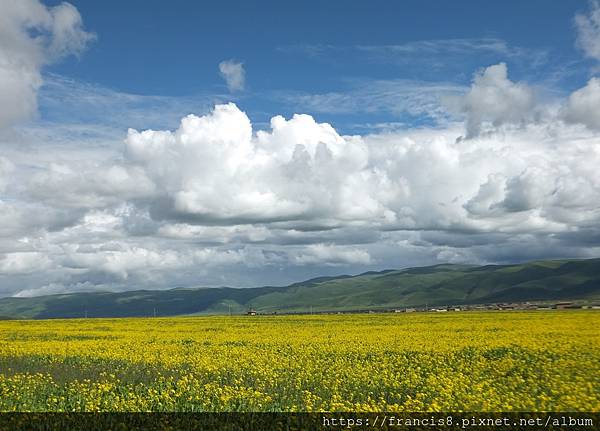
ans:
(405, 310)
(251, 312)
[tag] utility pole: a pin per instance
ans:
(86, 314)
(229, 310)
(154, 311)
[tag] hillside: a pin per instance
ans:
(434, 285)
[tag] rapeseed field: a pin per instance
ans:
(464, 361)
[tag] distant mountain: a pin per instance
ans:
(434, 285)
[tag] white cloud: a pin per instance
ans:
(215, 234)
(58, 288)
(88, 185)
(495, 99)
(485, 201)
(6, 168)
(588, 31)
(328, 254)
(23, 262)
(213, 168)
(68, 36)
(234, 74)
(583, 105)
(120, 259)
(31, 36)
(21, 218)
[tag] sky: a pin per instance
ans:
(153, 144)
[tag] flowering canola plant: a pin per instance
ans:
(471, 361)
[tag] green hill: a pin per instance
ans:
(434, 285)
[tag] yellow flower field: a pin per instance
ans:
(465, 361)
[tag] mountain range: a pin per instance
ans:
(445, 284)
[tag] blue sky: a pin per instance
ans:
(153, 42)
(154, 144)
(173, 48)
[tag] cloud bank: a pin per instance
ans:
(218, 201)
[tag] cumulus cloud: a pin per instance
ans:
(588, 31)
(234, 74)
(302, 175)
(583, 105)
(215, 169)
(32, 36)
(496, 99)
